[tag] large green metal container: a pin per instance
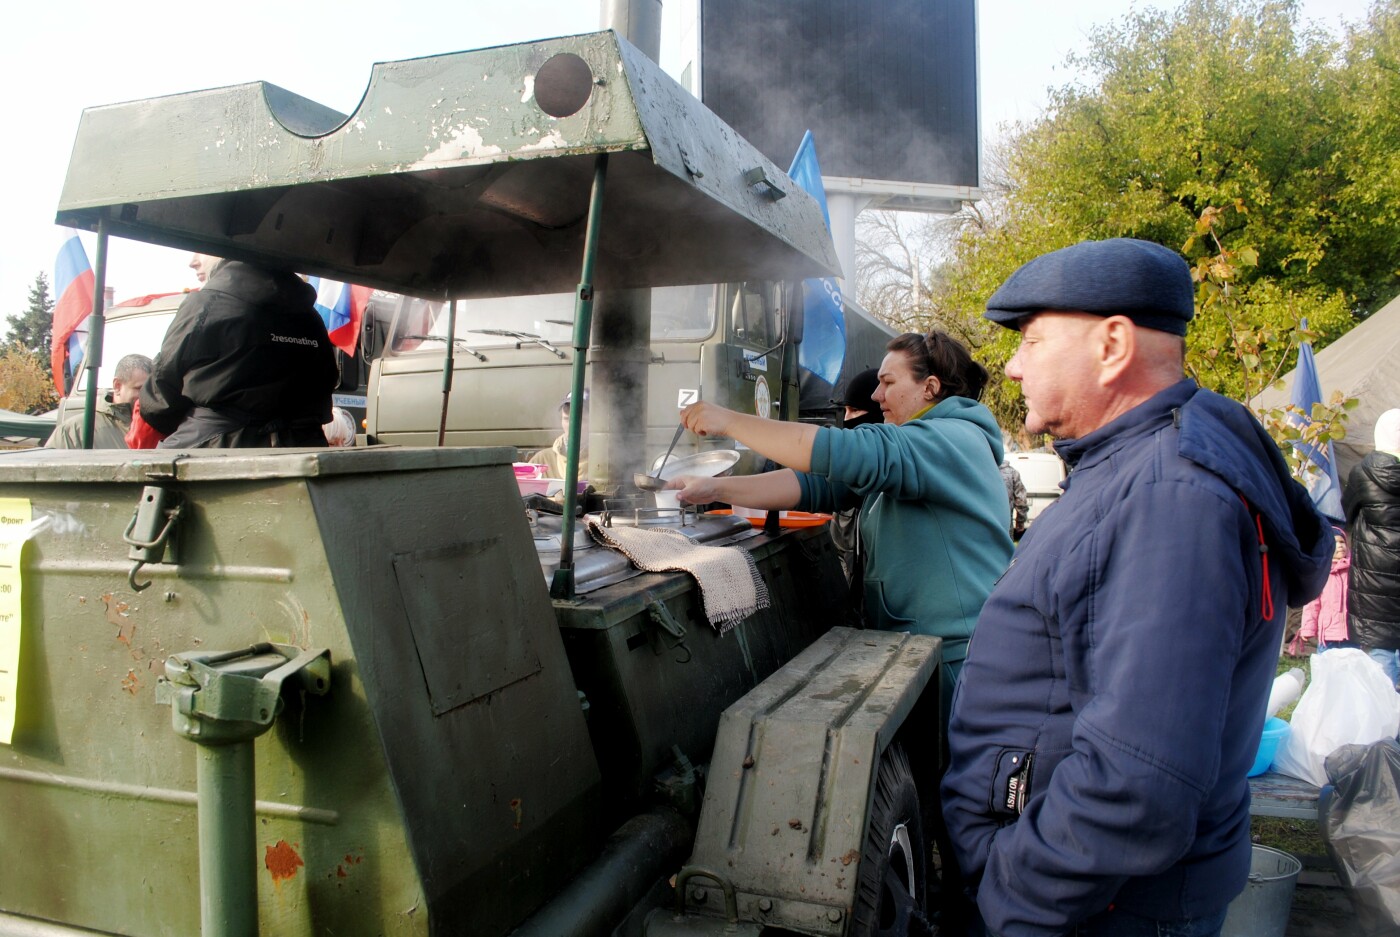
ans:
(448, 782)
(444, 785)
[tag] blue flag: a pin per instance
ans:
(823, 348)
(1321, 476)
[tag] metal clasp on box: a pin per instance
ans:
(150, 532)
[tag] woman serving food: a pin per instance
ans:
(933, 507)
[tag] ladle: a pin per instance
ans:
(656, 482)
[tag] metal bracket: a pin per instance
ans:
(757, 177)
(229, 696)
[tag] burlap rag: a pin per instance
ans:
(729, 581)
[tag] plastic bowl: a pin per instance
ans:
(1275, 731)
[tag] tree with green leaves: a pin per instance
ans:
(1219, 130)
(32, 329)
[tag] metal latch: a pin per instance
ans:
(150, 530)
(661, 616)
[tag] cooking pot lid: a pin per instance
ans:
(708, 464)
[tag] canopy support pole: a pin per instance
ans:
(562, 586)
(92, 358)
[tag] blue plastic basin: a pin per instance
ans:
(1275, 730)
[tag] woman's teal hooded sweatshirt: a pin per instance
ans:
(934, 515)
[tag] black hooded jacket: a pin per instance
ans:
(249, 344)
(1372, 503)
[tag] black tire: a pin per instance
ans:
(892, 888)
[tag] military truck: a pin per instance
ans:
(372, 691)
(735, 344)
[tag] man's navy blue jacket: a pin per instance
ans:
(1114, 692)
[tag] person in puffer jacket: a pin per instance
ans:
(1114, 689)
(1372, 505)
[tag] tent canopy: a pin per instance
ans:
(1365, 364)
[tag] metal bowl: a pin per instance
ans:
(709, 464)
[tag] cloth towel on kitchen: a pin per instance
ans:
(729, 581)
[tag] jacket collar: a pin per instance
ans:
(1144, 419)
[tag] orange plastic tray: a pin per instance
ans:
(786, 518)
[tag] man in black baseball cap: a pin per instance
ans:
(1110, 706)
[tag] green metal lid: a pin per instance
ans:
(459, 175)
(50, 466)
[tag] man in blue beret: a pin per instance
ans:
(1113, 696)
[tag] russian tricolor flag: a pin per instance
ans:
(342, 307)
(73, 284)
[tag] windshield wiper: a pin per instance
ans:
(520, 338)
(456, 343)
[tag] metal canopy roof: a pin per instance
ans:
(452, 179)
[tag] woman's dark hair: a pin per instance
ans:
(946, 358)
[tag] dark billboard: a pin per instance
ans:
(887, 87)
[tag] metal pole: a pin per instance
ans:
(562, 586)
(96, 322)
(228, 886)
(447, 365)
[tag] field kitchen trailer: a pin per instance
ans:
(373, 691)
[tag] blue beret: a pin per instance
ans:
(1146, 282)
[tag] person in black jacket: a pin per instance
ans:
(245, 363)
(1372, 504)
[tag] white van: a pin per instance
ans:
(1041, 473)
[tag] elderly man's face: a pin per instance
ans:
(1058, 373)
(127, 391)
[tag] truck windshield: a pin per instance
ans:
(124, 335)
(678, 314)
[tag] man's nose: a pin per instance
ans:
(1013, 367)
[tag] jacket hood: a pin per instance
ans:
(1223, 437)
(969, 411)
(260, 285)
(1383, 469)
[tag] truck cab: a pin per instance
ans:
(512, 357)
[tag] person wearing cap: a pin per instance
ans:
(555, 459)
(1113, 698)
(1372, 506)
(858, 409)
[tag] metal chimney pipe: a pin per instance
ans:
(620, 352)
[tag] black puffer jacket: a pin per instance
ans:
(251, 346)
(1372, 503)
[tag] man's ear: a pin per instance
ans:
(1116, 347)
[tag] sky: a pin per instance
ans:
(65, 57)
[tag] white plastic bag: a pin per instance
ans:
(1348, 700)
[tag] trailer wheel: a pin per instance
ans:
(892, 890)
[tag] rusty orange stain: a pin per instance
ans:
(515, 804)
(116, 608)
(850, 857)
(282, 861)
(131, 683)
(350, 859)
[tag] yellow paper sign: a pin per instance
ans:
(15, 529)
